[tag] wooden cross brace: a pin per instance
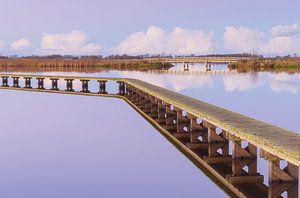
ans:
(277, 174)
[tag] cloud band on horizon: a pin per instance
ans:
(280, 40)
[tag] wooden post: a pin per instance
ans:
(148, 104)
(198, 134)
(121, 88)
(16, 82)
(4, 81)
(182, 122)
(277, 174)
(54, 84)
(40, 83)
(212, 133)
(85, 86)
(102, 86)
(28, 82)
(238, 152)
(170, 119)
(154, 108)
(276, 190)
(69, 84)
(161, 118)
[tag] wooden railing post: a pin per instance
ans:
(102, 86)
(69, 84)
(121, 87)
(54, 84)
(4, 81)
(85, 86)
(40, 83)
(16, 82)
(28, 82)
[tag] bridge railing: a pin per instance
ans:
(212, 59)
(222, 143)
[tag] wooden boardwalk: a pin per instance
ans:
(196, 72)
(201, 59)
(277, 141)
(210, 136)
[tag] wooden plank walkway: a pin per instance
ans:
(280, 142)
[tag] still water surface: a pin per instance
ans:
(72, 146)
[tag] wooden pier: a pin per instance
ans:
(224, 144)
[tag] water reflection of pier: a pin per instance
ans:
(221, 143)
(196, 72)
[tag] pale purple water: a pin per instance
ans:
(74, 146)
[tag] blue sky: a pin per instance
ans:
(109, 23)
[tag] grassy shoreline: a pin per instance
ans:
(268, 64)
(89, 64)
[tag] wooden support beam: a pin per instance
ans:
(239, 164)
(121, 88)
(181, 121)
(218, 160)
(28, 82)
(215, 147)
(198, 134)
(54, 84)
(276, 190)
(16, 82)
(277, 174)
(214, 137)
(4, 81)
(69, 84)
(170, 116)
(85, 86)
(238, 151)
(102, 86)
(40, 83)
(198, 145)
(245, 179)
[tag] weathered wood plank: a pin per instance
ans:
(278, 141)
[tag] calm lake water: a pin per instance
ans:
(74, 146)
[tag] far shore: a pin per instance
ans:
(267, 64)
(88, 64)
(97, 64)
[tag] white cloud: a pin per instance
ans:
(156, 41)
(20, 44)
(282, 45)
(281, 40)
(242, 39)
(285, 30)
(74, 42)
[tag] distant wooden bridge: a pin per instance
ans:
(196, 72)
(201, 59)
(211, 137)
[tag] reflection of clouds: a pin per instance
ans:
(180, 83)
(283, 82)
(281, 77)
(277, 82)
(240, 82)
(175, 82)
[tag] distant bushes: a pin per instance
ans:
(269, 64)
(137, 64)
